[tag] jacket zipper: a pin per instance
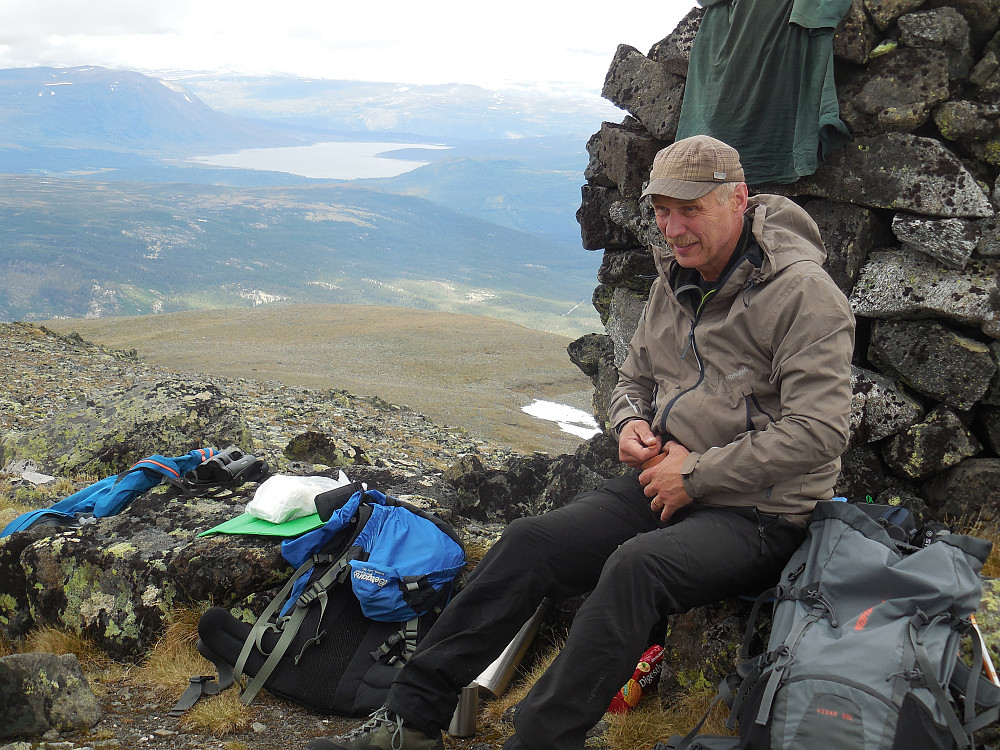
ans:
(692, 346)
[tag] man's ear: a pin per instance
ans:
(741, 197)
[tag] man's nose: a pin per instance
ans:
(673, 227)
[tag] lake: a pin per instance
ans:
(339, 160)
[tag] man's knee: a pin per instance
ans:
(521, 546)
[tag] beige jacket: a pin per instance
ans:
(757, 383)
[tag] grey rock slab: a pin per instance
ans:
(902, 172)
(645, 89)
(899, 283)
(879, 407)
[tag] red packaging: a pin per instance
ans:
(647, 673)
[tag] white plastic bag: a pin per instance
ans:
(283, 498)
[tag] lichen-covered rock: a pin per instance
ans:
(987, 151)
(15, 614)
(992, 395)
(627, 156)
(862, 474)
(637, 217)
(604, 384)
(630, 269)
(646, 90)
(114, 580)
(498, 496)
(968, 491)
(626, 309)
(967, 121)
(849, 233)
(879, 407)
(896, 92)
(703, 646)
(901, 283)
(898, 171)
(587, 352)
(949, 241)
(856, 36)
(937, 443)
(983, 16)
(885, 12)
(40, 692)
(169, 417)
(594, 172)
(987, 425)
(940, 28)
(933, 359)
(533, 484)
(597, 230)
(674, 51)
(319, 448)
(985, 74)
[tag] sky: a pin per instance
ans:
(563, 45)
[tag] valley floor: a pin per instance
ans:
(460, 371)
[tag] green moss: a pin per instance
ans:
(8, 608)
(990, 152)
(883, 49)
(693, 680)
(122, 549)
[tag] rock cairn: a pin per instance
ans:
(907, 211)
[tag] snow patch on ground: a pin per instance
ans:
(569, 419)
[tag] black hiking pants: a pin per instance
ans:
(639, 569)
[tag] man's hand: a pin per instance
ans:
(637, 443)
(662, 481)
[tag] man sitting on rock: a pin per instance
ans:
(732, 408)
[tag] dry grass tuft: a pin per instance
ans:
(493, 711)
(6, 647)
(644, 726)
(218, 715)
(985, 529)
(170, 664)
(54, 641)
(173, 659)
(474, 552)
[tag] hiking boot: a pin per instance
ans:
(382, 731)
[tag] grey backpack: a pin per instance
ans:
(864, 645)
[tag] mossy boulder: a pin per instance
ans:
(113, 580)
(99, 437)
(39, 692)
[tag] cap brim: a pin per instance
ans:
(684, 190)
(247, 524)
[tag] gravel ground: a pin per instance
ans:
(136, 719)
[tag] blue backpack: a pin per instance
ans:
(368, 585)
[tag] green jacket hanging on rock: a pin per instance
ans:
(761, 79)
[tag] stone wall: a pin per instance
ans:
(907, 213)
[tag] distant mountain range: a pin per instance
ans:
(453, 112)
(103, 213)
(119, 111)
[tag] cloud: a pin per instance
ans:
(44, 18)
(390, 40)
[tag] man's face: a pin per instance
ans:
(703, 232)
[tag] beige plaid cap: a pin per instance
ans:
(693, 167)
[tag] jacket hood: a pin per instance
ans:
(782, 228)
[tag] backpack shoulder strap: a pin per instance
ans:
(288, 626)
